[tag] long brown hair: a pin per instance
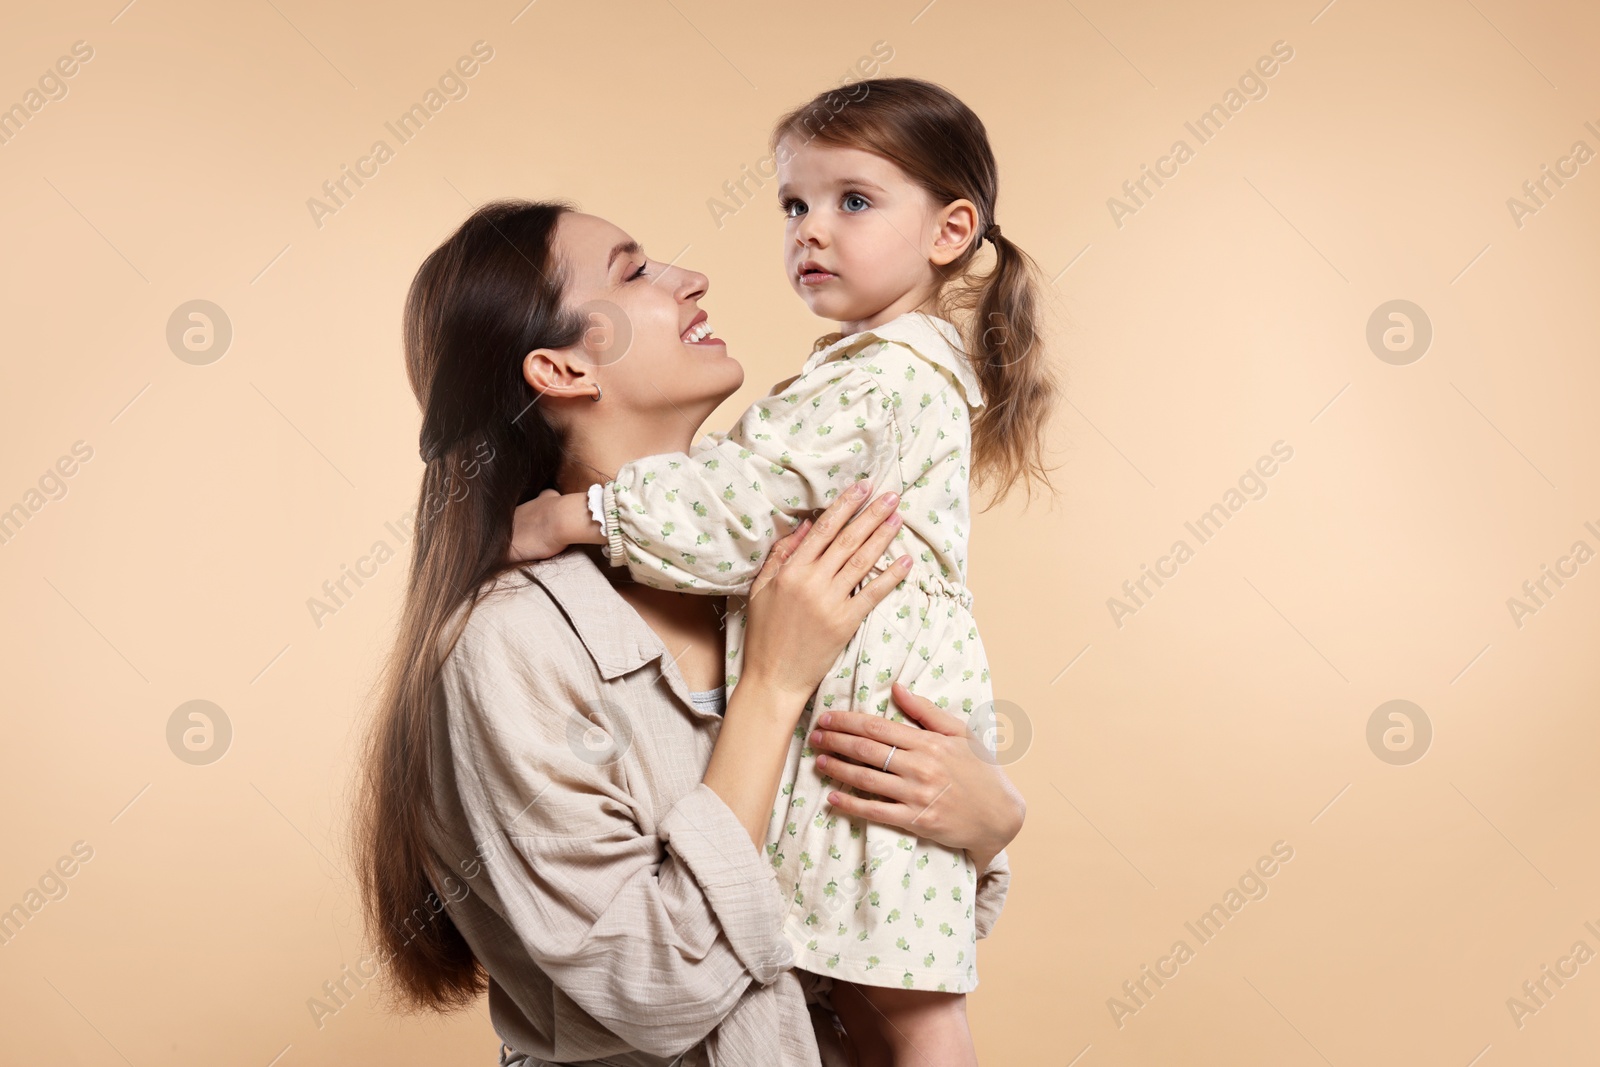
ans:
(478, 304)
(942, 146)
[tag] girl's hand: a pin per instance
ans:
(938, 785)
(779, 387)
(802, 611)
(548, 524)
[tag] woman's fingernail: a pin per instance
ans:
(823, 720)
(822, 761)
(889, 500)
(904, 563)
(816, 737)
(859, 489)
(893, 521)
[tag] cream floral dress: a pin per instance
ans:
(870, 904)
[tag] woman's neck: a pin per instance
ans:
(587, 460)
(689, 624)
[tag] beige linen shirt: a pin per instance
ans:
(619, 906)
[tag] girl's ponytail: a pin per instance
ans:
(1007, 354)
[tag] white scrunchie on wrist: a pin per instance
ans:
(596, 499)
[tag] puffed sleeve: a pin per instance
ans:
(657, 932)
(994, 881)
(704, 521)
(709, 439)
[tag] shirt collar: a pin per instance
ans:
(616, 638)
(935, 340)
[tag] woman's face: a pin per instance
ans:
(648, 345)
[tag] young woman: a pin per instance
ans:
(555, 807)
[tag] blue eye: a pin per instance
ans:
(792, 208)
(855, 198)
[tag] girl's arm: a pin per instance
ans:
(705, 520)
(712, 438)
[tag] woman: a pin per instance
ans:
(555, 807)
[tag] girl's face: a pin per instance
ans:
(648, 345)
(860, 237)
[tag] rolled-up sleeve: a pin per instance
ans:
(742, 891)
(655, 932)
(994, 881)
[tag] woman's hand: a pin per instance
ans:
(938, 785)
(802, 611)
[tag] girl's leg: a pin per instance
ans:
(863, 1025)
(905, 1027)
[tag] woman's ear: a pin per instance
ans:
(559, 373)
(957, 226)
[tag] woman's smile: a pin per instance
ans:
(699, 332)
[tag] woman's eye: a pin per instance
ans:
(640, 272)
(792, 208)
(855, 202)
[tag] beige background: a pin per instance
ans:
(1168, 754)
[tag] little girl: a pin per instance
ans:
(888, 200)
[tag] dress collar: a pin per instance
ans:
(935, 339)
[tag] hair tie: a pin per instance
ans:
(992, 234)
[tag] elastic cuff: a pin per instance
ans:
(740, 886)
(615, 553)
